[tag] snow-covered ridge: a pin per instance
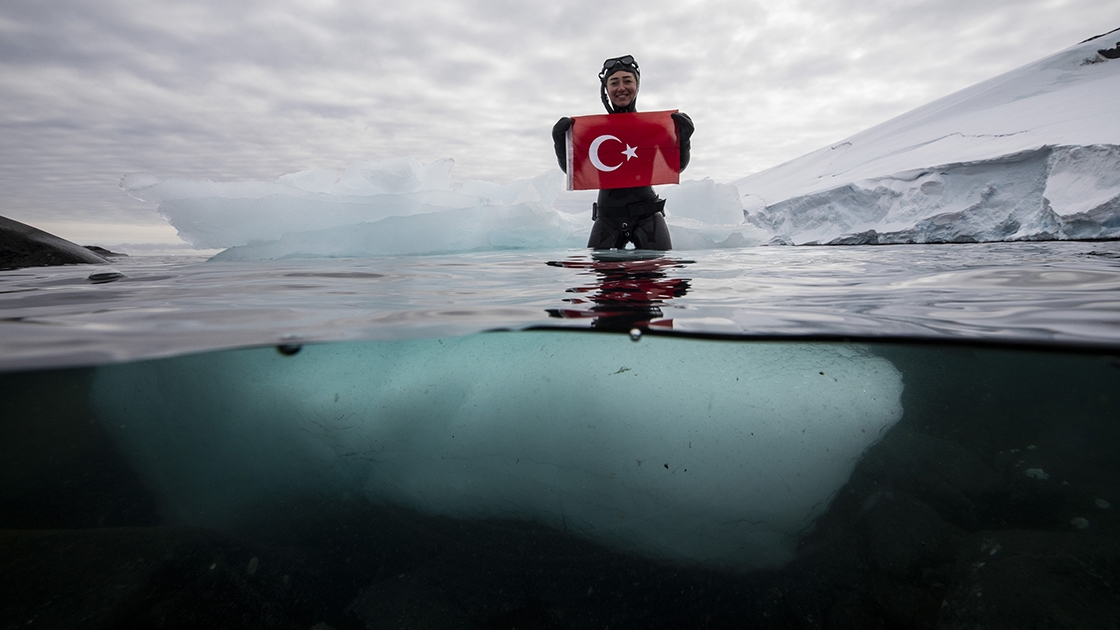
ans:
(1030, 154)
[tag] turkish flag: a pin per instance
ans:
(623, 151)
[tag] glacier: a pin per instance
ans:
(1033, 154)
(686, 451)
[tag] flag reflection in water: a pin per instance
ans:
(629, 289)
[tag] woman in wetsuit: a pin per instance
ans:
(626, 215)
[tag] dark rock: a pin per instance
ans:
(1110, 53)
(1099, 36)
(104, 253)
(105, 276)
(870, 237)
(24, 246)
(780, 240)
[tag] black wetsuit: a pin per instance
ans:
(627, 215)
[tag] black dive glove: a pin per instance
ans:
(684, 134)
(559, 142)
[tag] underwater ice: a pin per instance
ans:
(713, 453)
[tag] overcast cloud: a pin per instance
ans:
(232, 90)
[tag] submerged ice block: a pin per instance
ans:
(697, 451)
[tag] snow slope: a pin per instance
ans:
(1030, 154)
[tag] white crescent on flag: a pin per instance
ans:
(593, 153)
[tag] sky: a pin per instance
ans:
(246, 90)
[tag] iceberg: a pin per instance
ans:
(400, 207)
(682, 450)
(481, 228)
(218, 215)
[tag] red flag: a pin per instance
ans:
(623, 151)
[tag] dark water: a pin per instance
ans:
(990, 500)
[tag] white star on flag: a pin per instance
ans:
(630, 152)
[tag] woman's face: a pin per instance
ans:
(622, 87)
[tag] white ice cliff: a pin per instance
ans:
(1030, 154)
(699, 452)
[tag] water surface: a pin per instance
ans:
(1058, 293)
